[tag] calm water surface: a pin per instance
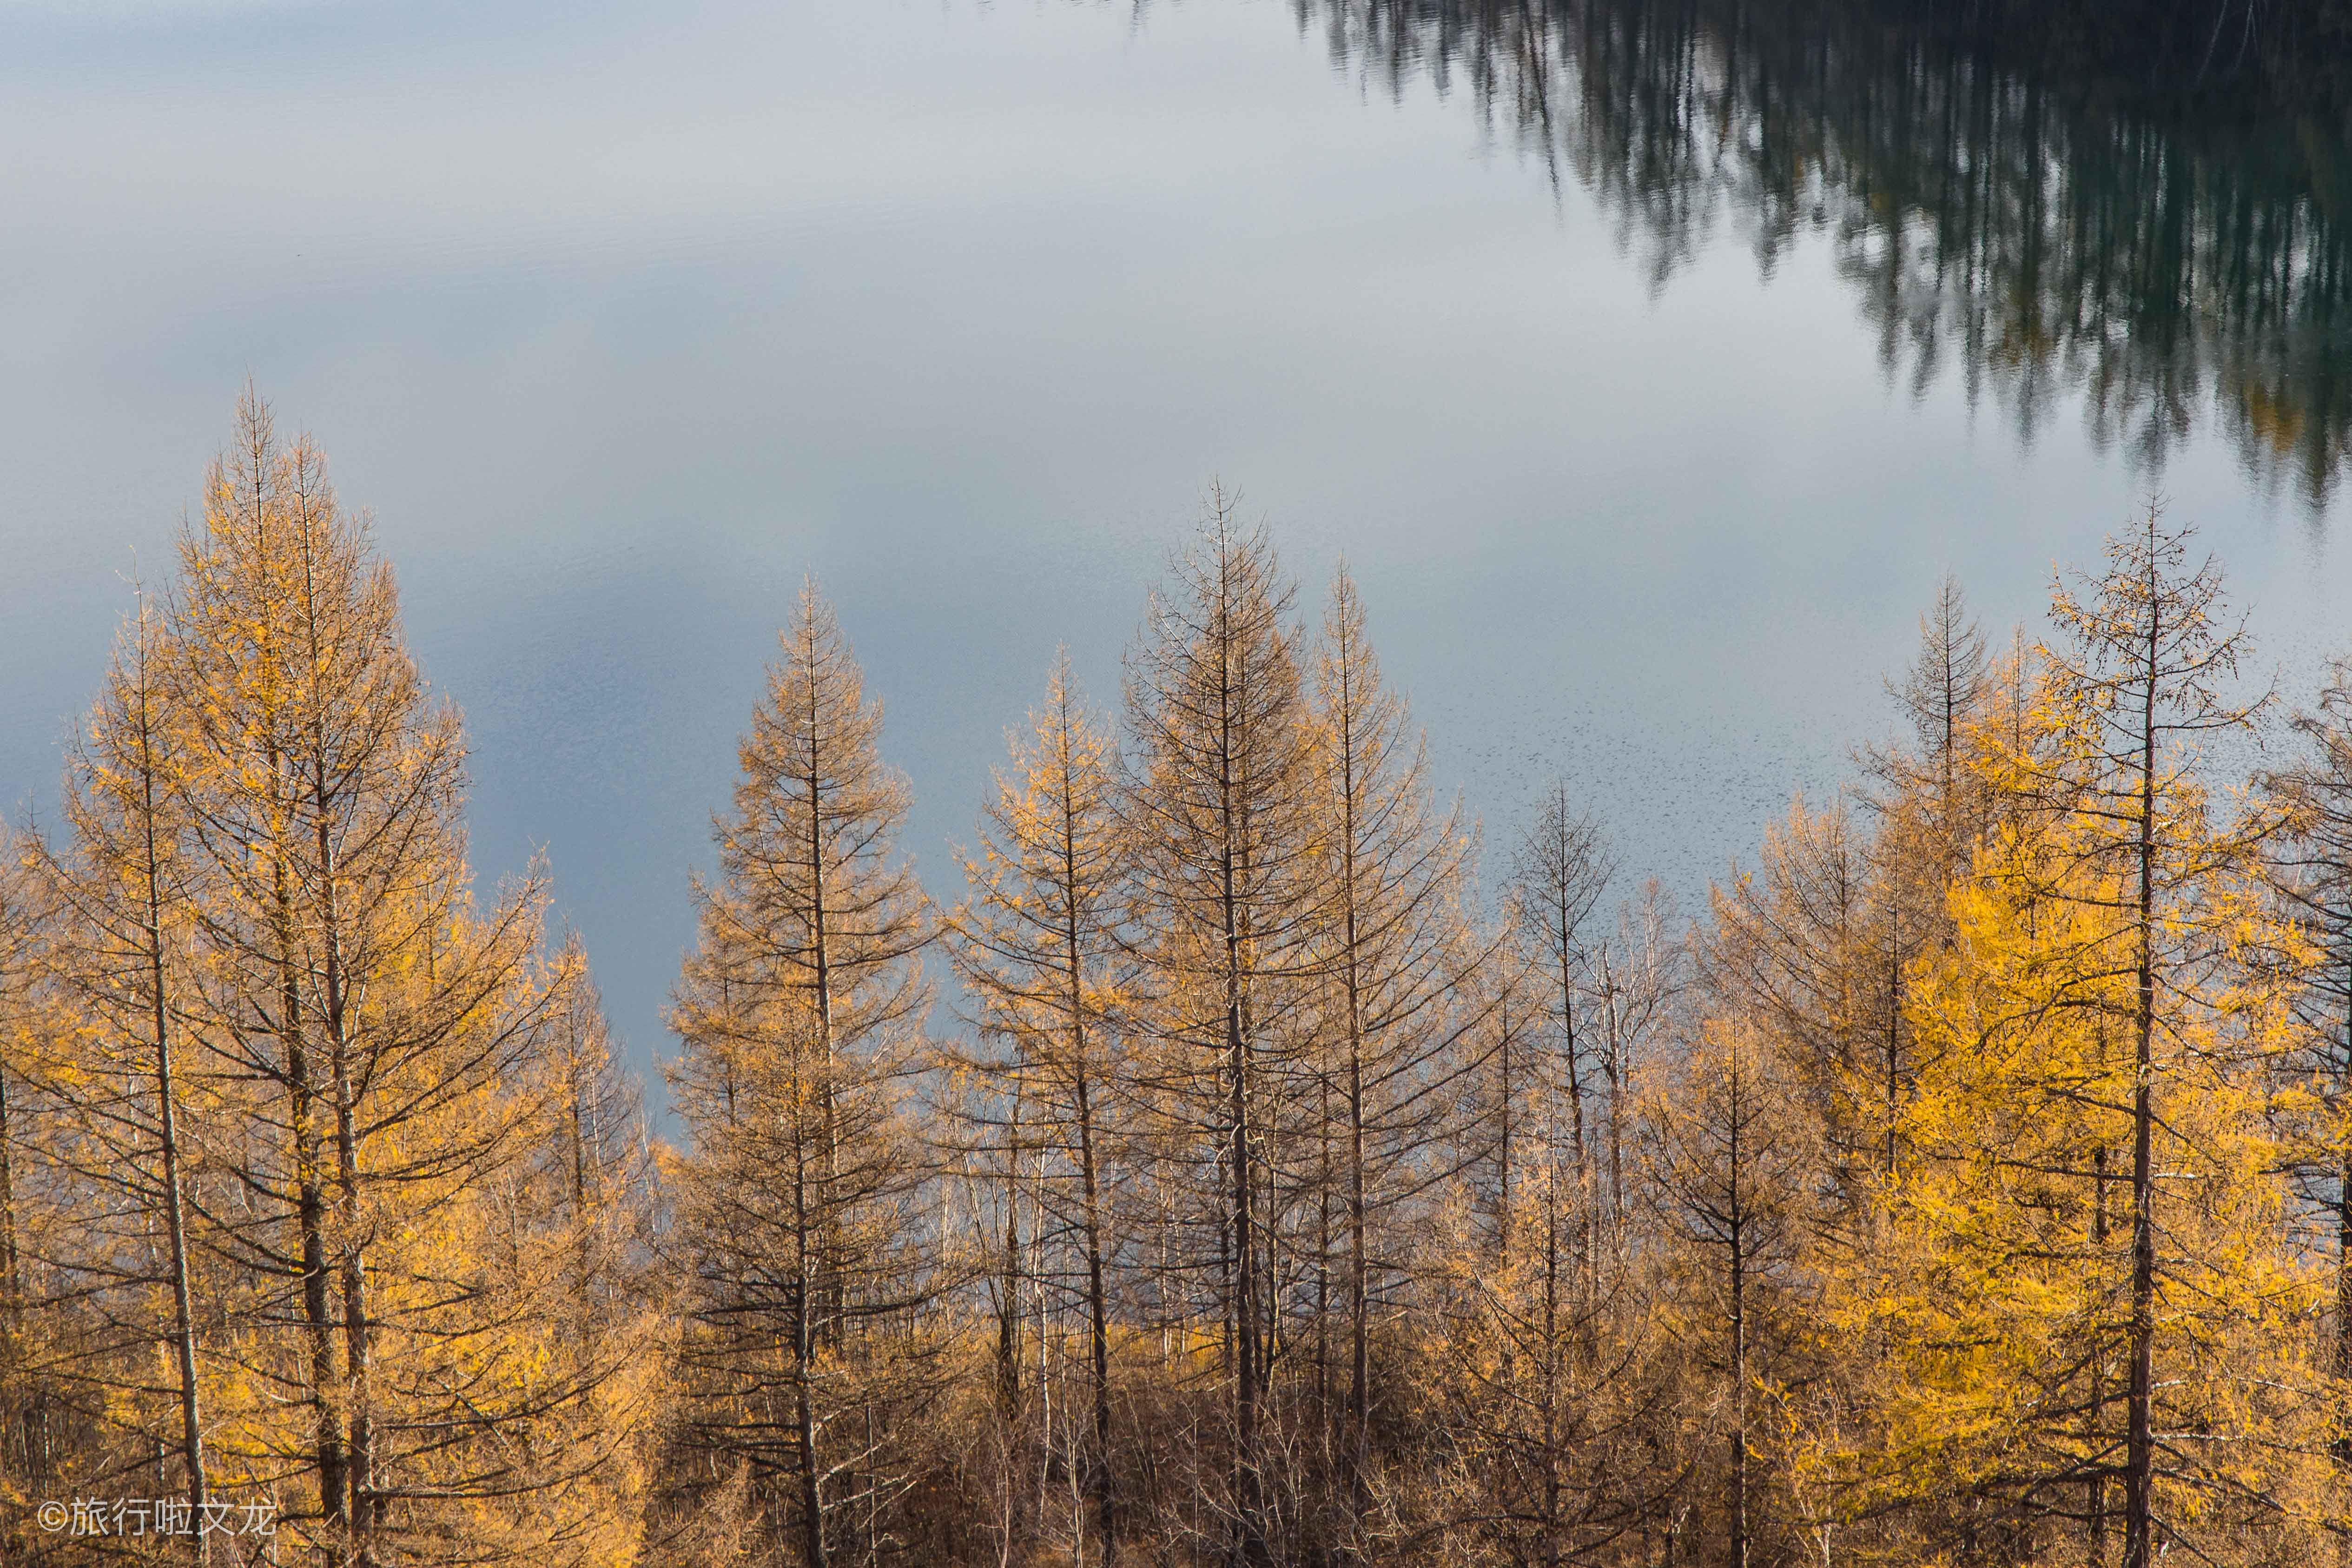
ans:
(1647, 372)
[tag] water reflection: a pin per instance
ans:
(2167, 263)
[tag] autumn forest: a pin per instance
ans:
(1244, 1162)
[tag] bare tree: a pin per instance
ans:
(1637, 980)
(1941, 695)
(1561, 869)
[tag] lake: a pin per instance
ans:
(1647, 368)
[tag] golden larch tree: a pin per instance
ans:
(1037, 939)
(1223, 811)
(800, 1209)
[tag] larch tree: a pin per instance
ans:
(2144, 675)
(801, 1012)
(1536, 1371)
(1797, 952)
(20, 941)
(1397, 947)
(1638, 978)
(1991, 1289)
(574, 1235)
(1931, 808)
(1562, 868)
(36, 1348)
(1507, 1049)
(1037, 940)
(1546, 1313)
(118, 951)
(1222, 811)
(372, 1020)
(2081, 1284)
(2314, 871)
(1941, 697)
(1732, 1156)
(593, 1156)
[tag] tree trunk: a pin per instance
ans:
(2341, 1445)
(311, 1208)
(1106, 1479)
(1358, 1440)
(183, 1318)
(2095, 1502)
(1738, 1237)
(1247, 1369)
(2140, 1438)
(813, 1553)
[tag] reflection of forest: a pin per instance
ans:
(2163, 261)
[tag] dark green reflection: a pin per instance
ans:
(2170, 257)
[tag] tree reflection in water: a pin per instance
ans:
(2164, 259)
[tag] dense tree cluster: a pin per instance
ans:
(1966, 1185)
